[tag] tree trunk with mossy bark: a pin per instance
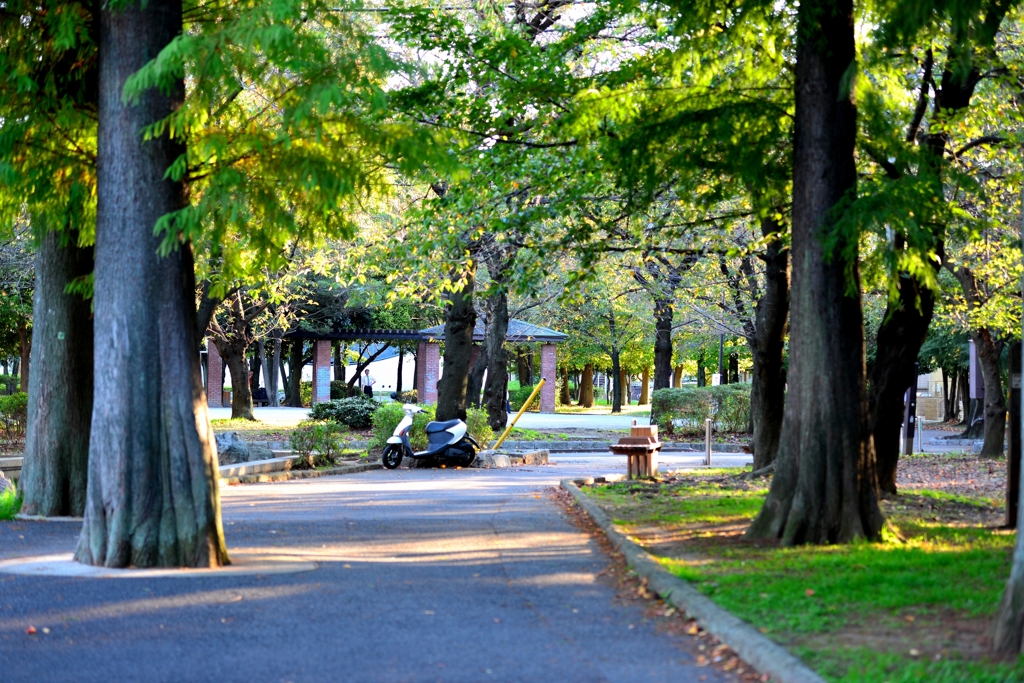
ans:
(152, 496)
(53, 478)
(460, 319)
(824, 488)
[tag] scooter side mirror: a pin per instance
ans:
(394, 396)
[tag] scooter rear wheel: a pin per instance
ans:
(392, 456)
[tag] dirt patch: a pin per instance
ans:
(960, 474)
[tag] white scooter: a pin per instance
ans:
(446, 441)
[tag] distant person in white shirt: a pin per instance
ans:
(367, 381)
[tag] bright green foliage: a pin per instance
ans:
(356, 411)
(478, 428)
(320, 441)
(48, 124)
(10, 503)
(727, 405)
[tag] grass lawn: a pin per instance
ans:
(915, 607)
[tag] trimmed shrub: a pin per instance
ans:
(320, 442)
(728, 406)
(410, 396)
(517, 397)
(306, 394)
(356, 412)
(9, 384)
(387, 417)
(478, 427)
(13, 417)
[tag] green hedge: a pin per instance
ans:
(727, 405)
(517, 397)
(356, 412)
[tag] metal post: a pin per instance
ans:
(522, 410)
(707, 442)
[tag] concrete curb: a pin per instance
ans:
(287, 475)
(754, 647)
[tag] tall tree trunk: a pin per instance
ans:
(964, 398)
(523, 366)
(616, 377)
(261, 352)
(587, 386)
(275, 363)
(645, 379)
(563, 392)
(53, 478)
(475, 382)
(234, 358)
(624, 384)
(256, 368)
(401, 362)
(152, 485)
(768, 385)
(460, 318)
(677, 377)
(662, 344)
(339, 371)
(25, 347)
(899, 341)
(1008, 639)
(496, 387)
(824, 489)
(295, 374)
(989, 351)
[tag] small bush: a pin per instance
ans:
(517, 397)
(306, 394)
(410, 396)
(13, 417)
(10, 503)
(321, 442)
(9, 384)
(387, 417)
(478, 427)
(339, 389)
(728, 406)
(356, 412)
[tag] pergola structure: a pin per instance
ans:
(428, 358)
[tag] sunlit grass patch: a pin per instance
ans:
(914, 607)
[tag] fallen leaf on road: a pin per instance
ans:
(31, 630)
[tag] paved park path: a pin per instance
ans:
(421, 575)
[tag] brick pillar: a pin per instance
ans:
(214, 375)
(430, 366)
(421, 356)
(321, 371)
(549, 371)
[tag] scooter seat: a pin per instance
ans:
(434, 427)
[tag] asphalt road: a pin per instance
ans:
(421, 575)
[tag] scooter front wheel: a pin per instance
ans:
(392, 456)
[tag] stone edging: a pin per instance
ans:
(750, 644)
(286, 475)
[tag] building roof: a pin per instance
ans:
(519, 331)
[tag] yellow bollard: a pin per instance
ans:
(519, 414)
